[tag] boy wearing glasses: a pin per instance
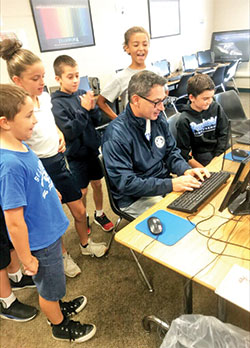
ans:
(139, 151)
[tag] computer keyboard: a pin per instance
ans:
(190, 201)
(244, 139)
(174, 78)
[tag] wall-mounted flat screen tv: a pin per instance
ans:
(231, 45)
(62, 24)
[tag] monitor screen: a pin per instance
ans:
(189, 62)
(237, 196)
(62, 24)
(204, 57)
(162, 66)
(231, 45)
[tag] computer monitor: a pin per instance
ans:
(189, 63)
(204, 57)
(231, 45)
(163, 66)
(237, 198)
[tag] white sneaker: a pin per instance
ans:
(94, 249)
(70, 267)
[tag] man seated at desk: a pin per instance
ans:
(140, 153)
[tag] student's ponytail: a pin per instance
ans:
(16, 57)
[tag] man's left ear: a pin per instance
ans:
(135, 99)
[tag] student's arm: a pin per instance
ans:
(103, 105)
(62, 145)
(18, 231)
(195, 164)
(222, 129)
(72, 125)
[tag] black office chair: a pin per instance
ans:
(181, 91)
(218, 78)
(121, 215)
(230, 73)
(232, 106)
(172, 124)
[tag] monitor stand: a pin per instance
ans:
(241, 204)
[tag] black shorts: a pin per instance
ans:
(62, 178)
(86, 170)
(5, 243)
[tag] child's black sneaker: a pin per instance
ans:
(25, 282)
(73, 307)
(18, 311)
(70, 330)
(104, 222)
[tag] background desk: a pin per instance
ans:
(190, 254)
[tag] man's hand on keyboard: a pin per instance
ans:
(199, 173)
(188, 182)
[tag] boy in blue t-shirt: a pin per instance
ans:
(34, 216)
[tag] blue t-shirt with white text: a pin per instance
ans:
(25, 183)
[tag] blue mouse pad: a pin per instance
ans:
(174, 227)
(229, 157)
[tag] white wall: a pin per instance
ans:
(197, 23)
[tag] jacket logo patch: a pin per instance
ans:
(159, 141)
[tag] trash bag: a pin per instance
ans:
(198, 331)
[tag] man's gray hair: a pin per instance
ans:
(142, 82)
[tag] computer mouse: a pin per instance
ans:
(155, 225)
(239, 153)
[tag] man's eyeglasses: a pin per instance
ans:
(156, 103)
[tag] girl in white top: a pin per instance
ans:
(27, 71)
(136, 44)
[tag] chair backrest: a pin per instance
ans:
(231, 104)
(172, 120)
(219, 75)
(231, 69)
(181, 90)
(112, 201)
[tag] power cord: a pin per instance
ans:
(210, 237)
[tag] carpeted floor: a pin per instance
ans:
(117, 297)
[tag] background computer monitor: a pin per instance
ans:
(84, 83)
(204, 57)
(163, 66)
(189, 62)
(237, 198)
(231, 45)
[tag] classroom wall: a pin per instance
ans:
(198, 20)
